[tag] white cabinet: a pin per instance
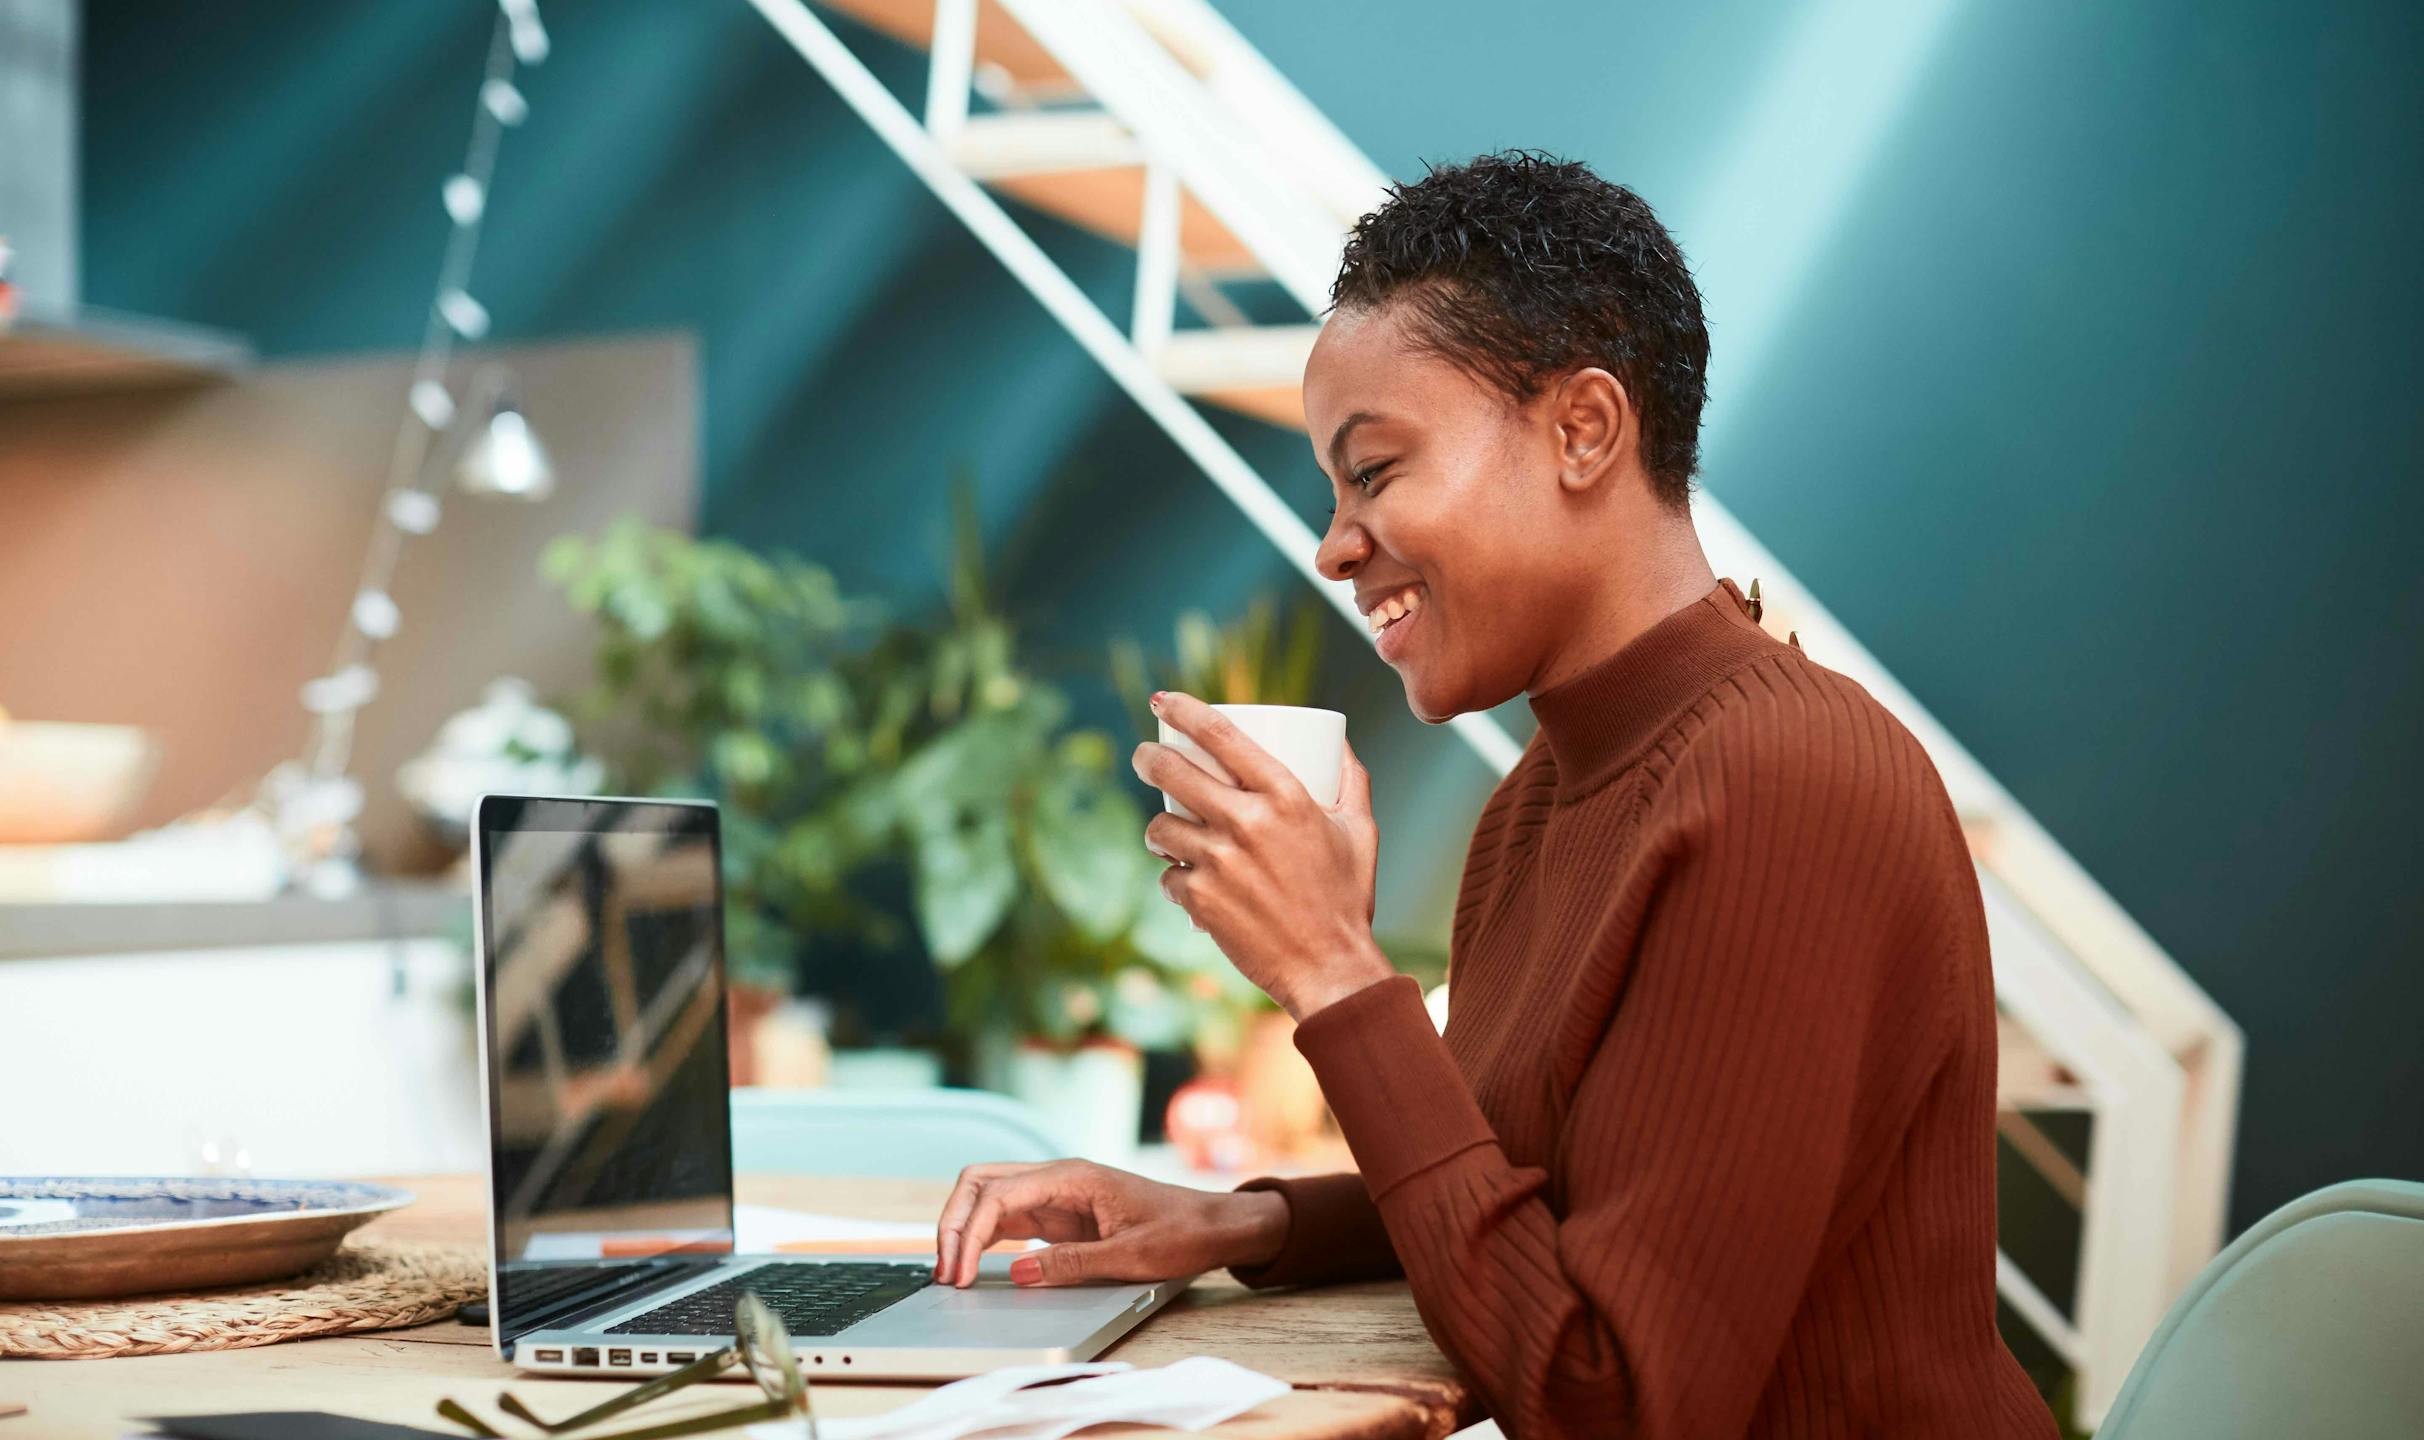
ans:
(329, 1059)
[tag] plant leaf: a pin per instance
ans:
(1163, 933)
(1088, 845)
(967, 878)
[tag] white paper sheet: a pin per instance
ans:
(1192, 1394)
(769, 1230)
(765, 1229)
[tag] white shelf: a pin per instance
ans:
(382, 910)
(87, 351)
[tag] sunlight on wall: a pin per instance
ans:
(1835, 87)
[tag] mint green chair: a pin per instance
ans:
(2311, 1325)
(927, 1134)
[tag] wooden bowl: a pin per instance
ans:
(62, 783)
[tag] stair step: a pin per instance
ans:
(1256, 369)
(1018, 143)
(1084, 167)
(2026, 1078)
(999, 40)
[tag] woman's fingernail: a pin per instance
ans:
(1026, 1270)
(1156, 702)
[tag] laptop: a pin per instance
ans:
(604, 1075)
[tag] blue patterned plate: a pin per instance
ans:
(87, 1239)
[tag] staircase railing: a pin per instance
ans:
(1155, 122)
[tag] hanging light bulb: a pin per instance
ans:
(505, 457)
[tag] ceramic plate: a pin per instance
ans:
(79, 1239)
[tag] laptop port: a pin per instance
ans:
(647, 1357)
(551, 1357)
(584, 1356)
(679, 1357)
(618, 1357)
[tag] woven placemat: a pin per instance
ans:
(370, 1286)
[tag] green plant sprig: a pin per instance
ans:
(840, 739)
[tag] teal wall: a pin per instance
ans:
(2091, 411)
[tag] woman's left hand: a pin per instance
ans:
(1283, 885)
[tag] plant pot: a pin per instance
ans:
(745, 1006)
(1092, 1095)
(886, 1067)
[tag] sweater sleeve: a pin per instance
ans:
(1780, 1013)
(1334, 1235)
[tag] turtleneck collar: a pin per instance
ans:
(1598, 722)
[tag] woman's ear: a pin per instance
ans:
(1594, 420)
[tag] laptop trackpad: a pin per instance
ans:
(1001, 1315)
(1057, 1300)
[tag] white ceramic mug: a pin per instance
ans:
(1311, 743)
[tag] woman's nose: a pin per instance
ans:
(1343, 551)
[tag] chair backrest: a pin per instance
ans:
(2311, 1324)
(910, 1134)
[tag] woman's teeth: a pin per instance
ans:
(1397, 607)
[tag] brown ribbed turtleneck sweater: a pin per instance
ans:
(1708, 1147)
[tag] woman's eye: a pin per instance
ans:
(1364, 479)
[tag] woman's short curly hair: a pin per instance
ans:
(1521, 267)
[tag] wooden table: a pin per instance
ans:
(1363, 1367)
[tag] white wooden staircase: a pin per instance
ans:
(1154, 123)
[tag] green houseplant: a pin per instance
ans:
(841, 739)
(1264, 657)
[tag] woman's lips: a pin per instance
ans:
(1397, 633)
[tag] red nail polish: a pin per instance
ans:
(1026, 1270)
(1155, 703)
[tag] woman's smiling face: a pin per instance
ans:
(1452, 521)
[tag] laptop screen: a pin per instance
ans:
(603, 970)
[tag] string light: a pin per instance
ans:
(433, 403)
(312, 801)
(415, 512)
(375, 614)
(528, 35)
(468, 316)
(465, 198)
(349, 689)
(504, 102)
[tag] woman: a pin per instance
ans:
(1706, 1149)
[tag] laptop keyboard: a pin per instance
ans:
(812, 1299)
(542, 1288)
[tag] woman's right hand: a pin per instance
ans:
(1104, 1224)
